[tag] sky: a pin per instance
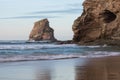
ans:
(17, 17)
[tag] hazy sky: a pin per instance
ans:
(17, 17)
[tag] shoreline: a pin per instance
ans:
(105, 68)
(67, 58)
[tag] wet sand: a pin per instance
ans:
(107, 68)
(40, 70)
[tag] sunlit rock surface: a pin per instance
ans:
(42, 31)
(100, 20)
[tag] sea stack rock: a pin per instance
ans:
(42, 31)
(100, 20)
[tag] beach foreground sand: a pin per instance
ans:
(107, 68)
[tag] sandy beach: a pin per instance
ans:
(107, 68)
(40, 70)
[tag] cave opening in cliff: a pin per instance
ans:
(108, 16)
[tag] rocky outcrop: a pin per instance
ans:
(100, 20)
(42, 31)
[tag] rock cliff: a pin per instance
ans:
(42, 31)
(100, 20)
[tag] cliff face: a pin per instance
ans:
(42, 31)
(100, 20)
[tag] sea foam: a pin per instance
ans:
(26, 51)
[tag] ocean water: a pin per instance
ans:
(44, 50)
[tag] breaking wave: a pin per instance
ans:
(14, 58)
(11, 51)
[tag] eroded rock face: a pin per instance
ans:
(100, 20)
(42, 31)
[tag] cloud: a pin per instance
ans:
(75, 5)
(74, 8)
(67, 11)
(48, 13)
(28, 17)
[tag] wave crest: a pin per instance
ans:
(14, 58)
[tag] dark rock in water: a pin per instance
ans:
(42, 31)
(65, 42)
(100, 20)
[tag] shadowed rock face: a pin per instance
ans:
(42, 31)
(100, 20)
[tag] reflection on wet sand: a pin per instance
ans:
(94, 69)
(107, 68)
(58, 70)
(44, 75)
(99, 69)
